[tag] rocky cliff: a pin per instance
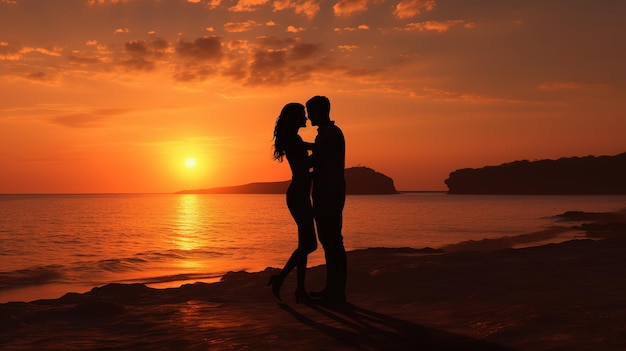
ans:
(574, 175)
(359, 181)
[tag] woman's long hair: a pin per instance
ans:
(286, 122)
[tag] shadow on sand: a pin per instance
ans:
(361, 328)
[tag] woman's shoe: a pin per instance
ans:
(276, 282)
(302, 295)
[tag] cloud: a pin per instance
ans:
(347, 47)
(236, 69)
(141, 54)
(96, 53)
(246, 59)
(159, 45)
(78, 58)
(38, 76)
(8, 52)
(268, 67)
(469, 25)
(55, 51)
(238, 44)
(282, 62)
(266, 61)
(308, 8)
(436, 26)
(202, 49)
(138, 64)
(348, 7)
(137, 47)
(105, 2)
(299, 62)
(193, 74)
(292, 29)
(86, 119)
(201, 59)
(247, 5)
(302, 51)
(411, 8)
(239, 27)
(275, 43)
(352, 29)
(214, 3)
(281, 5)
(136, 56)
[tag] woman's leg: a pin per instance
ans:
(307, 243)
(301, 272)
(302, 213)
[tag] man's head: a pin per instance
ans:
(318, 110)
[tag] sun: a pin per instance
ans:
(190, 162)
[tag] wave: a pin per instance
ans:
(179, 254)
(509, 242)
(38, 275)
(142, 259)
(173, 278)
(118, 265)
(108, 270)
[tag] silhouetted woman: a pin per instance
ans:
(287, 143)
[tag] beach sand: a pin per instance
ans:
(566, 296)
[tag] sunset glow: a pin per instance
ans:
(105, 96)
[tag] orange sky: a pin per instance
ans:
(115, 95)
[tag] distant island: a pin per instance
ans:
(359, 181)
(588, 175)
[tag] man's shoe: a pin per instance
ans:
(330, 299)
(317, 294)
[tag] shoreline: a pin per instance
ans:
(556, 296)
(25, 291)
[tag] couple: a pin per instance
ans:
(328, 195)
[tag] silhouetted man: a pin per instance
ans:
(329, 196)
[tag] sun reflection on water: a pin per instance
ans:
(189, 234)
(188, 223)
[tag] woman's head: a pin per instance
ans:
(292, 117)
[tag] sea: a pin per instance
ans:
(54, 244)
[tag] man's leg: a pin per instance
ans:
(329, 233)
